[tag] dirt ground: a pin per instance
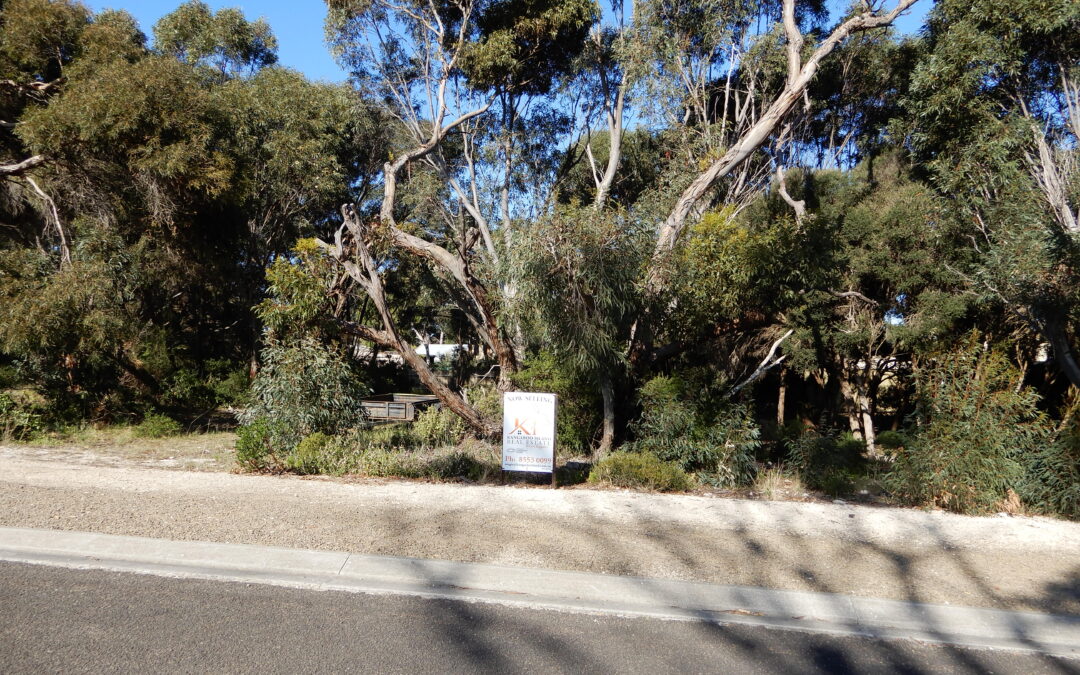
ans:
(182, 489)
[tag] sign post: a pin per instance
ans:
(529, 432)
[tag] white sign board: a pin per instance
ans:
(528, 432)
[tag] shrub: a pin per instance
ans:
(1052, 477)
(381, 462)
(385, 436)
(719, 444)
(438, 426)
(640, 470)
(18, 421)
(579, 399)
(829, 462)
(309, 456)
(259, 443)
(487, 400)
(305, 387)
(977, 427)
(156, 425)
(456, 464)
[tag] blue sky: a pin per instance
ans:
(298, 25)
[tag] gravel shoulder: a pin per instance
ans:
(1020, 563)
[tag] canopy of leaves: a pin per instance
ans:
(224, 40)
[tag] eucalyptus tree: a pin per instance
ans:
(995, 115)
(764, 117)
(448, 74)
(460, 76)
(223, 41)
(165, 179)
(38, 40)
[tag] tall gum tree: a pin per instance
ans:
(442, 68)
(995, 115)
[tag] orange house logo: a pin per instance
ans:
(521, 427)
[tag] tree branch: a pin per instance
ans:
(766, 364)
(754, 137)
(19, 168)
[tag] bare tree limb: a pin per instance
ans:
(366, 273)
(766, 364)
(755, 136)
(615, 135)
(854, 294)
(65, 251)
(799, 206)
(19, 168)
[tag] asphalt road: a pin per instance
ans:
(64, 620)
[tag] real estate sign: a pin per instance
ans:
(529, 431)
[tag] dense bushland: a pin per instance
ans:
(743, 242)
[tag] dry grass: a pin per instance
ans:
(777, 485)
(199, 451)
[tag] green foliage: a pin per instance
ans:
(218, 383)
(456, 464)
(977, 426)
(18, 420)
(305, 387)
(579, 400)
(389, 451)
(640, 470)
(156, 425)
(527, 45)
(577, 272)
(1052, 480)
(175, 183)
(39, 37)
(716, 439)
(486, 398)
(392, 437)
(829, 462)
(437, 426)
(308, 456)
(222, 40)
(298, 303)
(259, 444)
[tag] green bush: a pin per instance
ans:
(718, 444)
(829, 462)
(579, 416)
(259, 444)
(386, 437)
(640, 470)
(487, 400)
(977, 428)
(1052, 477)
(438, 426)
(305, 387)
(456, 464)
(385, 463)
(18, 421)
(156, 425)
(309, 455)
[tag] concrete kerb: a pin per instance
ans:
(549, 589)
